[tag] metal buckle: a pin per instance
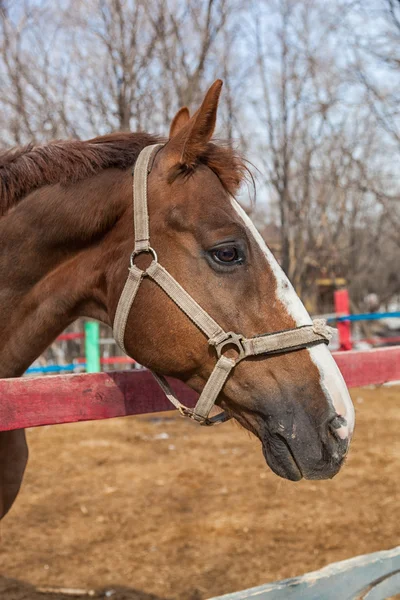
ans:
(232, 339)
(189, 412)
(149, 250)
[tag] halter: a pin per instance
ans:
(266, 345)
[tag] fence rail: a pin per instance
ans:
(369, 577)
(31, 402)
(365, 317)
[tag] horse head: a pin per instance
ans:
(294, 400)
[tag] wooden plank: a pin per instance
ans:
(369, 367)
(370, 577)
(31, 402)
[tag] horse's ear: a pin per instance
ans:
(179, 121)
(190, 140)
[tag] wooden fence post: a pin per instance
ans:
(92, 347)
(342, 307)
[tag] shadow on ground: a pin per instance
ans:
(13, 589)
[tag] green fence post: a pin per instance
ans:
(92, 347)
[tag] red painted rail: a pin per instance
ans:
(70, 336)
(369, 367)
(109, 360)
(31, 402)
(380, 341)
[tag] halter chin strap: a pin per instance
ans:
(268, 344)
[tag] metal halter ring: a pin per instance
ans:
(232, 339)
(149, 250)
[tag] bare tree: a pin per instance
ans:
(321, 149)
(27, 76)
(376, 60)
(79, 69)
(311, 95)
(299, 92)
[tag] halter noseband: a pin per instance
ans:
(267, 344)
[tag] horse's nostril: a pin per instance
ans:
(338, 427)
(337, 422)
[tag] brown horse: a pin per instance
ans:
(66, 237)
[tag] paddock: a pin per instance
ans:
(156, 508)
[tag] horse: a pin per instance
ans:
(66, 239)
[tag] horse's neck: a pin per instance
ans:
(52, 257)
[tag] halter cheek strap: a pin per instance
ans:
(267, 344)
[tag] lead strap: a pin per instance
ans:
(221, 417)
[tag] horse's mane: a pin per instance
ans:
(26, 169)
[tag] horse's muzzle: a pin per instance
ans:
(306, 454)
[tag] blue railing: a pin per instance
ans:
(365, 317)
(55, 368)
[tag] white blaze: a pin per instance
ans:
(330, 377)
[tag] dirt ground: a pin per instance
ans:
(157, 508)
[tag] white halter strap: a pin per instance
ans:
(267, 344)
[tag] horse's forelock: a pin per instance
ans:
(223, 160)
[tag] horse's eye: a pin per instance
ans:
(226, 255)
